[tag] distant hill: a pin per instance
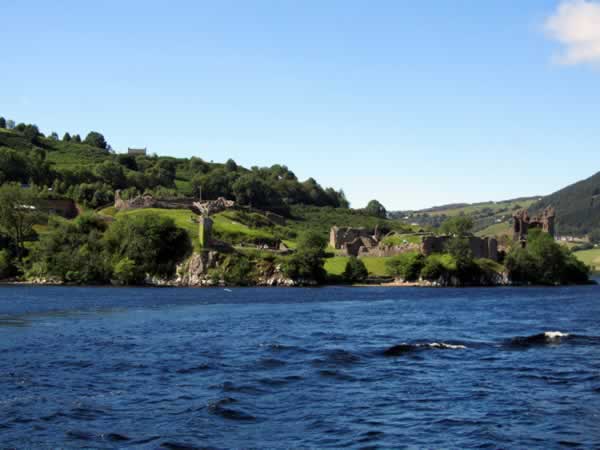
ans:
(577, 206)
(485, 214)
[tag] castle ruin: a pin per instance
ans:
(363, 242)
(522, 223)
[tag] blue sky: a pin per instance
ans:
(412, 103)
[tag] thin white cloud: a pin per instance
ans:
(576, 25)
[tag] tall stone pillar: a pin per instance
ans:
(205, 230)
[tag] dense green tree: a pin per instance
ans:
(112, 174)
(96, 139)
(127, 161)
(544, 261)
(595, 236)
(14, 166)
(438, 267)
(66, 137)
(77, 139)
(154, 243)
(31, 133)
(457, 226)
(72, 251)
(307, 263)
(54, 136)
(230, 165)
(2, 122)
(355, 271)
(18, 214)
(376, 209)
(406, 266)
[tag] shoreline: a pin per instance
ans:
(393, 284)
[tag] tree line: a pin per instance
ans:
(29, 157)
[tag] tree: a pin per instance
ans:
(457, 226)
(77, 139)
(54, 136)
(96, 139)
(2, 122)
(595, 236)
(154, 243)
(128, 161)
(376, 209)
(308, 260)
(31, 133)
(355, 271)
(544, 261)
(10, 124)
(18, 214)
(112, 174)
(66, 137)
(231, 166)
(406, 266)
(72, 251)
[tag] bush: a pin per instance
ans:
(544, 261)
(438, 267)
(406, 266)
(154, 243)
(355, 271)
(238, 271)
(308, 260)
(6, 267)
(72, 251)
(126, 272)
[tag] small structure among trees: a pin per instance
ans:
(137, 151)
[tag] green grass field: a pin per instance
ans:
(498, 229)
(375, 265)
(590, 257)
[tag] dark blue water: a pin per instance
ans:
(298, 368)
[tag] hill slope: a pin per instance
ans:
(485, 214)
(577, 206)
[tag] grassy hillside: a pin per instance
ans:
(577, 206)
(489, 218)
(475, 209)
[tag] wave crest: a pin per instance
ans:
(404, 348)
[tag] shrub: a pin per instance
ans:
(6, 267)
(406, 266)
(308, 260)
(126, 272)
(544, 261)
(154, 243)
(355, 271)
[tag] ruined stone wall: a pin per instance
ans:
(340, 237)
(63, 207)
(480, 247)
(522, 223)
(148, 201)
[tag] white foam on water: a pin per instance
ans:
(555, 335)
(444, 346)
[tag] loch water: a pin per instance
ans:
(330, 367)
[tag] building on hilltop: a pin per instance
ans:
(137, 151)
